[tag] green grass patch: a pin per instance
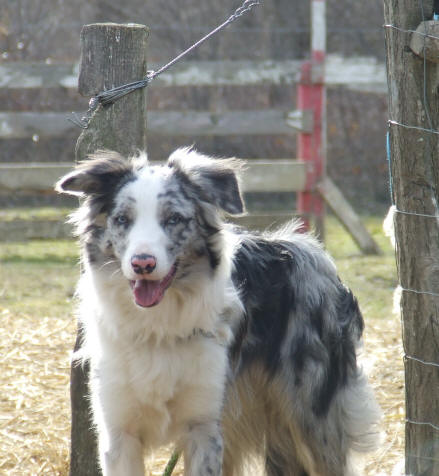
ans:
(40, 275)
(41, 252)
(40, 213)
(372, 278)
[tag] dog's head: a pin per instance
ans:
(158, 224)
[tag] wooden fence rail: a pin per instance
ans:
(20, 125)
(260, 175)
(358, 73)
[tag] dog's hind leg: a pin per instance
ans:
(282, 457)
(277, 465)
(203, 450)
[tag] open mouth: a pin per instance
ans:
(148, 293)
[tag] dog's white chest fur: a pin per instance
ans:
(163, 386)
(163, 381)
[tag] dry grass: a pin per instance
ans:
(37, 335)
(383, 345)
(34, 413)
(35, 344)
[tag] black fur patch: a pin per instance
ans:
(262, 274)
(210, 232)
(341, 348)
(270, 277)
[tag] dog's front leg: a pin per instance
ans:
(203, 451)
(123, 457)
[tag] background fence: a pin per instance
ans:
(231, 98)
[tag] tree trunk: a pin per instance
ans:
(413, 101)
(111, 55)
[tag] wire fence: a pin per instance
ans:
(426, 133)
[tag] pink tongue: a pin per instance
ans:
(148, 293)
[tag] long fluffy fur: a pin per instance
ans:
(251, 350)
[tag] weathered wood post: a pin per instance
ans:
(111, 55)
(414, 103)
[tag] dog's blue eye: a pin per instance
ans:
(121, 219)
(174, 219)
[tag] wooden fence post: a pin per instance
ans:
(311, 96)
(111, 55)
(414, 103)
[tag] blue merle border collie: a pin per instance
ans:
(226, 343)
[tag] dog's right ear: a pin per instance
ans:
(216, 180)
(98, 175)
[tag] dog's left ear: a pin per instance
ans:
(215, 179)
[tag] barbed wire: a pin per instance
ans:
(429, 130)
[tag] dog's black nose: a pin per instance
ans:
(143, 263)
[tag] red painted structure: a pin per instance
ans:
(311, 146)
